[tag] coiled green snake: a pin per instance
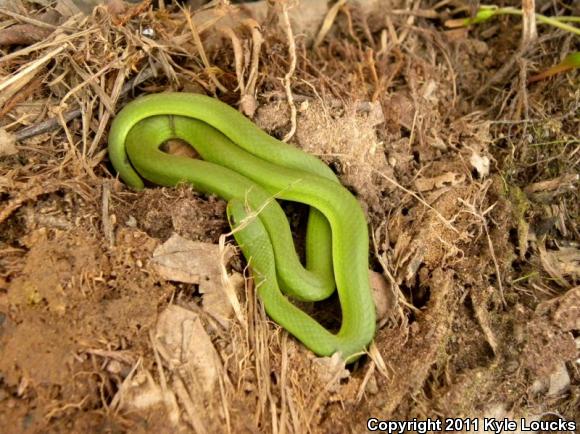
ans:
(248, 168)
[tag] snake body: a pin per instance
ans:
(248, 168)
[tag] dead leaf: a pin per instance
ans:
(215, 301)
(183, 343)
(139, 391)
(561, 263)
(560, 184)
(7, 143)
(203, 264)
(187, 261)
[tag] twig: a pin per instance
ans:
(500, 74)
(37, 23)
(368, 374)
(31, 67)
(201, 52)
(409, 23)
(248, 100)
(55, 412)
(328, 21)
(257, 41)
(290, 73)
(33, 85)
(55, 123)
(523, 93)
(422, 13)
(238, 56)
(529, 28)
(58, 40)
(283, 382)
(106, 219)
(46, 126)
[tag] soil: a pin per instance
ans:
(132, 311)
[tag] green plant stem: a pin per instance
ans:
(567, 19)
(559, 22)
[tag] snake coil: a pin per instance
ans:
(248, 168)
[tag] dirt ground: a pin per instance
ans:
(124, 311)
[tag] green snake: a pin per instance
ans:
(250, 169)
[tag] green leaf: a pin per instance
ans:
(483, 14)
